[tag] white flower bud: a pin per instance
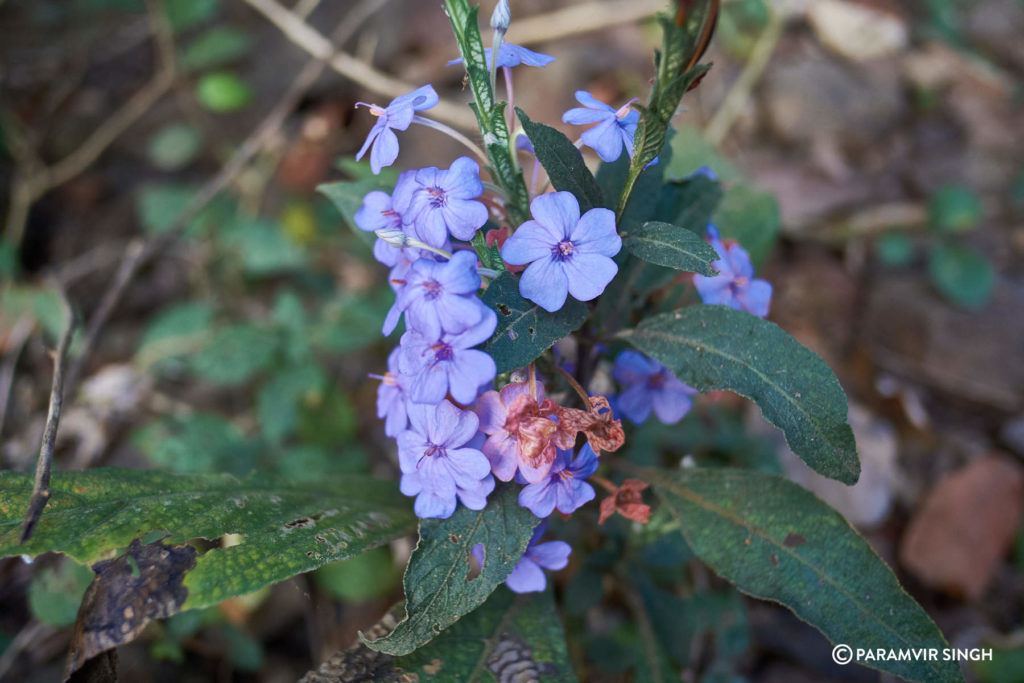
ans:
(501, 17)
(393, 236)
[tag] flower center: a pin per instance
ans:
(433, 289)
(563, 251)
(566, 475)
(442, 352)
(656, 381)
(624, 109)
(433, 449)
(438, 197)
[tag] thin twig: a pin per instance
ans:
(315, 43)
(41, 488)
(139, 253)
(15, 343)
(739, 94)
(31, 183)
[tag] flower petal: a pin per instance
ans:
(589, 274)
(544, 283)
(559, 212)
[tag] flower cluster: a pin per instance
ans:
(456, 432)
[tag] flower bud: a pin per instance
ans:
(501, 17)
(393, 236)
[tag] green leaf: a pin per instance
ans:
(751, 218)
(287, 528)
(490, 256)
(234, 354)
(184, 14)
(775, 540)
(223, 92)
(563, 163)
(175, 331)
(669, 245)
(160, 204)
(716, 347)
(489, 114)
(216, 47)
(279, 399)
(511, 637)
(194, 443)
(364, 577)
(954, 209)
(895, 249)
(438, 590)
(263, 247)
(56, 592)
(348, 196)
(525, 330)
(962, 274)
(174, 146)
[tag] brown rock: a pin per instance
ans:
(966, 524)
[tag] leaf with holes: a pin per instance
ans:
(525, 330)
(775, 540)
(669, 245)
(716, 347)
(288, 527)
(439, 589)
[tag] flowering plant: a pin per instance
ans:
(533, 295)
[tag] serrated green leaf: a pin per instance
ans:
(287, 528)
(234, 354)
(438, 590)
(509, 633)
(216, 47)
(716, 347)
(490, 256)
(962, 274)
(525, 330)
(563, 163)
(672, 246)
(223, 92)
(775, 540)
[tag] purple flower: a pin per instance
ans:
(648, 385)
(565, 487)
(567, 254)
(614, 128)
(734, 286)
(436, 463)
(396, 116)
(438, 202)
(448, 364)
(403, 259)
(510, 55)
(528, 575)
(392, 397)
(442, 296)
